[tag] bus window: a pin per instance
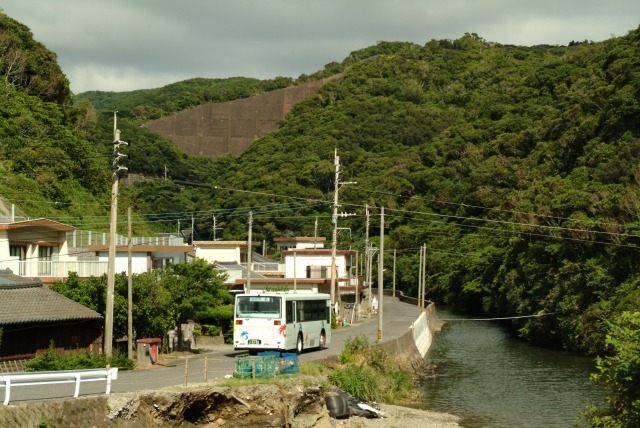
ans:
(258, 307)
(289, 311)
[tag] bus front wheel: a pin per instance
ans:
(299, 344)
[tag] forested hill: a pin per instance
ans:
(48, 167)
(517, 167)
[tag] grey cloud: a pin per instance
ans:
(122, 44)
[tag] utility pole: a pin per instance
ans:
(215, 228)
(367, 257)
(108, 325)
(380, 274)
(394, 273)
(315, 234)
(249, 251)
(129, 289)
(424, 276)
(334, 219)
(192, 230)
(356, 306)
(420, 281)
(334, 236)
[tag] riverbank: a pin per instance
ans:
(294, 402)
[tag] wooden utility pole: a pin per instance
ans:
(108, 323)
(129, 289)
(367, 259)
(334, 236)
(394, 273)
(420, 281)
(424, 276)
(380, 274)
(249, 251)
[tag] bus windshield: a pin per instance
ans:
(258, 307)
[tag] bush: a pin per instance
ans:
(76, 360)
(369, 373)
(618, 373)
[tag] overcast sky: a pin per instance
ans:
(121, 45)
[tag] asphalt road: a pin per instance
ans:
(397, 319)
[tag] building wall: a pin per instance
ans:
(302, 261)
(219, 254)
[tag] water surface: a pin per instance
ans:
(491, 380)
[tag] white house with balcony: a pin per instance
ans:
(144, 256)
(231, 257)
(39, 249)
(316, 263)
(49, 250)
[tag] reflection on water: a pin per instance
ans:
(491, 380)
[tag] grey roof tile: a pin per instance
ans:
(24, 300)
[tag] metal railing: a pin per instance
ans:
(62, 376)
(55, 269)
(265, 267)
(84, 238)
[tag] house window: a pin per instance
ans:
(45, 253)
(44, 260)
(19, 251)
(161, 263)
(317, 272)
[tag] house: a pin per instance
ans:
(299, 243)
(316, 263)
(32, 315)
(306, 269)
(39, 248)
(145, 256)
(232, 256)
(309, 285)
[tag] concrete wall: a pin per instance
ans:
(415, 343)
(217, 129)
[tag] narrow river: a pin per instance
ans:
(491, 380)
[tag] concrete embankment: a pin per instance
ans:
(415, 343)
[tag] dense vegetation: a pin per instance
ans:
(47, 163)
(162, 299)
(618, 373)
(517, 166)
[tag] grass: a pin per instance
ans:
(362, 369)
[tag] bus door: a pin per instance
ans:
(291, 322)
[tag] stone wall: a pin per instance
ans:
(217, 129)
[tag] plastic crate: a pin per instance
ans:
(288, 364)
(267, 353)
(253, 367)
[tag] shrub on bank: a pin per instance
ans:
(77, 360)
(368, 372)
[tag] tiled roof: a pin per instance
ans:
(25, 300)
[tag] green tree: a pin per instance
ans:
(619, 374)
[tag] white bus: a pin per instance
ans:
(281, 321)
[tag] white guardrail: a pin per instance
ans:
(61, 376)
